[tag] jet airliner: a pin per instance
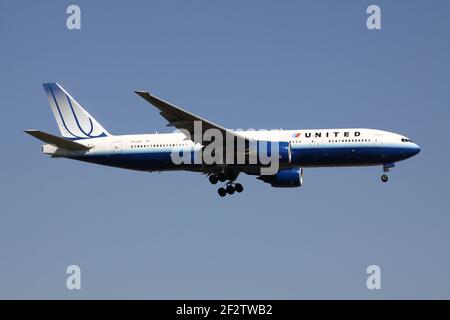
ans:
(84, 139)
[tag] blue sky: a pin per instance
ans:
(243, 64)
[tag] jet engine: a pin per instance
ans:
(287, 178)
(264, 150)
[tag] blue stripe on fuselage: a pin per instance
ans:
(349, 155)
(302, 156)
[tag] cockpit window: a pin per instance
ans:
(406, 140)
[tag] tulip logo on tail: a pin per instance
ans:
(73, 121)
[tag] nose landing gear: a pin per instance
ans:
(386, 168)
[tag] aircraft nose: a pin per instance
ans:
(415, 149)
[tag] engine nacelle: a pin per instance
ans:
(264, 150)
(284, 152)
(287, 178)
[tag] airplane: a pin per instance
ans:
(84, 139)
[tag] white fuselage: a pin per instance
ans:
(310, 147)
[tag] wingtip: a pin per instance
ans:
(139, 92)
(144, 94)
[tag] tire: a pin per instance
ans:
(238, 187)
(213, 179)
(384, 178)
(230, 189)
(222, 192)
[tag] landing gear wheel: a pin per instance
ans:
(222, 192)
(384, 178)
(230, 189)
(222, 178)
(213, 179)
(238, 187)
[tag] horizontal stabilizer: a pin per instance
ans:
(57, 141)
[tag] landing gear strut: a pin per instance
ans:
(386, 168)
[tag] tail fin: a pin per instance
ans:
(73, 121)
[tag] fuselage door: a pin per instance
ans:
(315, 153)
(314, 143)
(378, 142)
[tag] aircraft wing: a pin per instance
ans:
(182, 119)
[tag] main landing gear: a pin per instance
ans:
(229, 188)
(214, 178)
(386, 168)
